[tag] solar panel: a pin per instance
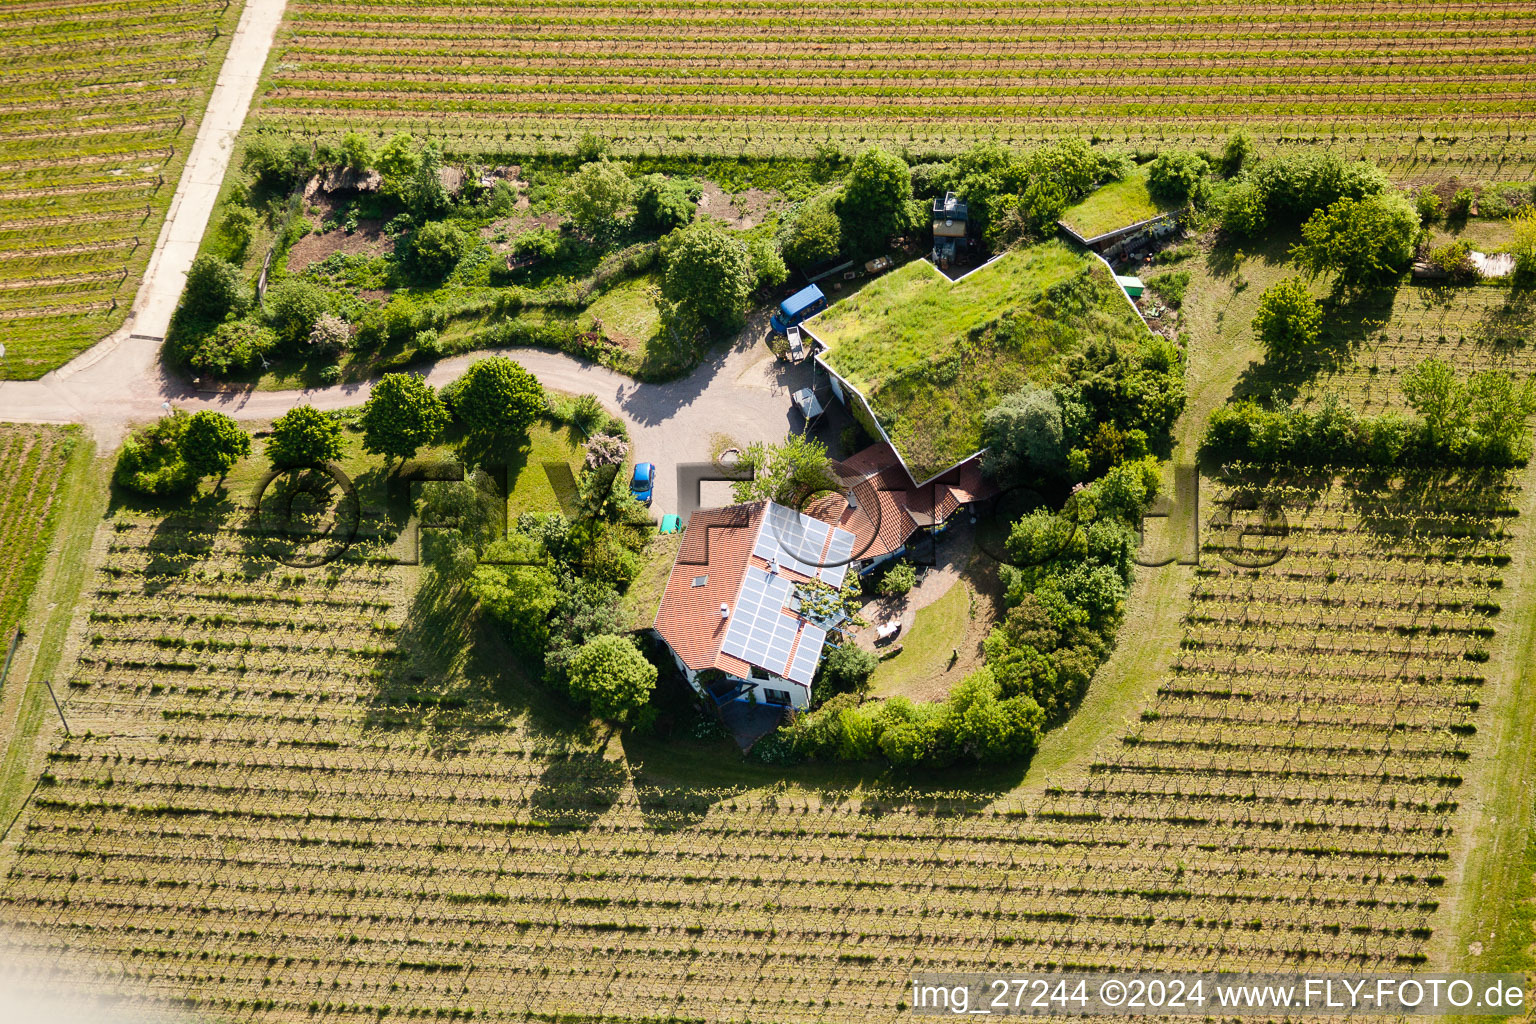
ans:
(798, 542)
(760, 632)
(807, 655)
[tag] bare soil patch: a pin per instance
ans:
(742, 211)
(368, 238)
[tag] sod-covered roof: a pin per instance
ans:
(1116, 205)
(932, 355)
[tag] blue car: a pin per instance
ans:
(643, 482)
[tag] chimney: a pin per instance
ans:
(725, 610)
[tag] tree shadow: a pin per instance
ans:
(1348, 320)
(1453, 510)
(577, 789)
(1508, 327)
(185, 537)
(455, 678)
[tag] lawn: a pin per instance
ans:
(627, 311)
(1117, 205)
(927, 650)
(931, 356)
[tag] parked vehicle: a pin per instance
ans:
(806, 302)
(643, 483)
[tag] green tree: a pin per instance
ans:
(813, 235)
(356, 153)
(767, 264)
(596, 195)
(1243, 209)
(304, 436)
(150, 461)
(496, 399)
(1498, 409)
(1288, 321)
(709, 274)
(1362, 241)
(401, 415)
(612, 677)
(397, 161)
(1236, 153)
(847, 669)
(1440, 397)
(1025, 434)
(428, 198)
(292, 308)
(788, 473)
(437, 247)
(213, 290)
(276, 164)
(1524, 246)
(213, 443)
(898, 580)
(1178, 177)
(873, 206)
(520, 597)
(236, 227)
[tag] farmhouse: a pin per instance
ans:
(739, 613)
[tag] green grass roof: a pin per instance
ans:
(1116, 205)
(932, 355)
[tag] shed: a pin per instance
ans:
(1132, 285)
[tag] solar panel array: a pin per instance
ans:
(762, 634)
(797, 542)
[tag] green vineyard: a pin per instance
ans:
(102, 102)
(777, 76)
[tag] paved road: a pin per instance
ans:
(198, 189)
(740, 391)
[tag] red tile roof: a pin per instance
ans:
(717, 547)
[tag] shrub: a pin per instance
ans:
(304, 436)
(1288, 320)
(1171, 286)
(1243, 209)
(1178, 177)
(1428, 205)
(612, 677)
(1236, 153)
(898, 580)
(1461, 203)
(767, 265)
(151, 461)
(277, 165)
(329, 335)
(1454, 259)
(233, 345)
(932, 181)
